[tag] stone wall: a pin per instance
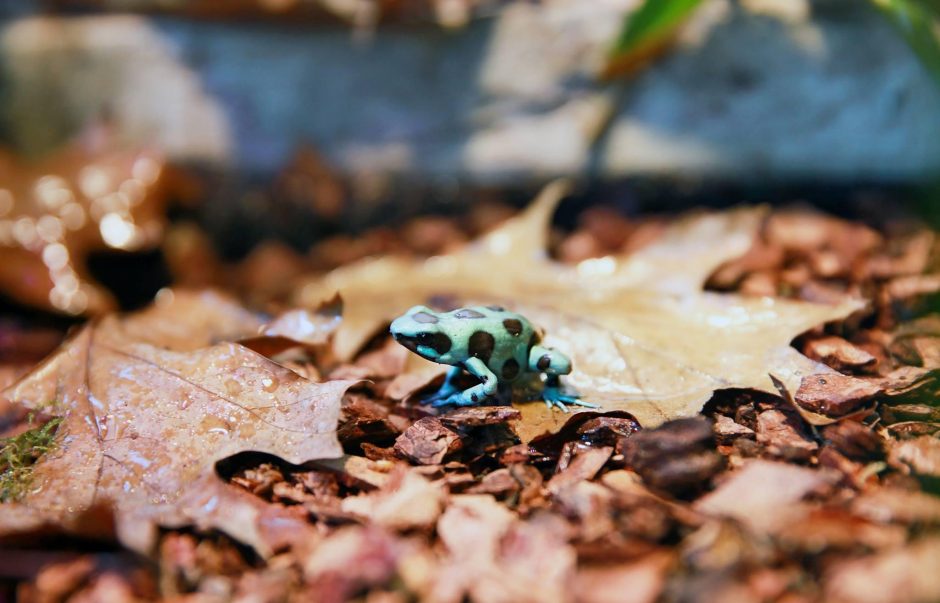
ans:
(754, 90)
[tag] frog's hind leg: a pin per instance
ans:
(477, 393)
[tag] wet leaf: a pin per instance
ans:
(146, 416)
(54, 213)
(643, 336)
(184, 321)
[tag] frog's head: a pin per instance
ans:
(420, 330)
(548, 361)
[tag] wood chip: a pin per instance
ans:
(839, 353)
(427, 442)
(783, 437)
(835, 395)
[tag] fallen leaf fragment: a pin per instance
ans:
(359, 468)
(910, 383)
(210, 504)
(907, 575)
(591, 506)
(922, 454)
(639, 582)
(495, 557)
(896, 505)
(350, 559)
(854, 440)
(760, 491)
(406, 501)
(720, 545)
(828, 530)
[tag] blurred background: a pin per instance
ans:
(150, 141)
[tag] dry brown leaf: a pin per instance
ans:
(643, 335)
(146, 417)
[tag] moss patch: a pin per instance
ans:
(19, 453)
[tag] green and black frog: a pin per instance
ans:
(495, 345)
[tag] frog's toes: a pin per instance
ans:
(446, 400)
(440, 395)
(552, 403)
(555, 399)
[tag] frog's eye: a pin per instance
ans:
(424, 317)
(438, 342)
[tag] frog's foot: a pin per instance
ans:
(554, 398)
(442, 396)
(457, 399)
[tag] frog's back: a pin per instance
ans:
(498, 337)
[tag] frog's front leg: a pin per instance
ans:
(554, 398)
(447, 388)
(477, 393)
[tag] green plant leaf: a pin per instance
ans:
(919, 23)
(646, 32)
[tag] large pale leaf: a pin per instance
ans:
(147, 413)
(643, 335)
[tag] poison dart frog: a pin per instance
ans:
(495, 345)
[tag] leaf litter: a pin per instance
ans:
(698, 480)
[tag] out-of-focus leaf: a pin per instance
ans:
(53, 214)
(647, 32)
(919, 23)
